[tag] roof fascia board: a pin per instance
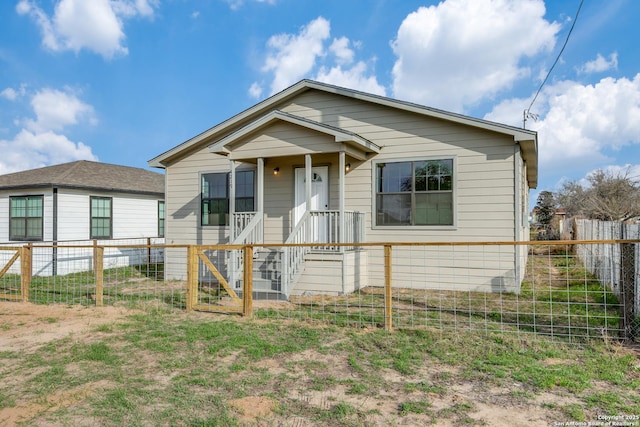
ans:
(79, 187)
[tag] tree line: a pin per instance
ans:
(604, 195)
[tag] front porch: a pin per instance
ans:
(282, 216)
(313, 247)
(299, 197)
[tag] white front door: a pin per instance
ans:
(319, 191)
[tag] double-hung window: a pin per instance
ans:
(161, 217)
(215, 196)
(101, 217)
(417, 192)
(25, 217)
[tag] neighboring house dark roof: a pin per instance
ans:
(84, 174)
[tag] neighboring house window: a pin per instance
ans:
(160, 218)
(25, 218)
(414, 192)
(101, 217)
(215, 196)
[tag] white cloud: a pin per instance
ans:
(95, 25)
(586, 121)
(237, 4)
(255, 91)
(340, 48)
(129, 8)
(9, 93)
(30, 150)
(292, 57)
(354, 78)
(601, 64)
(580, 125)
(462, 51)
(55, 109)
(40, 142)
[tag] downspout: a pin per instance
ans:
(54, 264)
(518, 215)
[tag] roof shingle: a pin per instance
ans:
(87, 175)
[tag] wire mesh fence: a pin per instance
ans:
(545, 288)
(90, 273)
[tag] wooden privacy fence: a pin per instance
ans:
(617, 266)
(520, 287)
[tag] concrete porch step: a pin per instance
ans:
(266, 295)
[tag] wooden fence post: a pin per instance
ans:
(387, 289)
(247, 282)
(98, 270)
(628, 327)
(192, 277)
(26, 262)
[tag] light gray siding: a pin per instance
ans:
(490, 188)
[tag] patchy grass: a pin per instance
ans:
(164, 367)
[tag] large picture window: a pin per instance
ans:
(101, 217)
(25, 218)
(416, 192)
(215, 196)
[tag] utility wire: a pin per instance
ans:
(527, 112)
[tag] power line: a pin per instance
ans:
(527, 113)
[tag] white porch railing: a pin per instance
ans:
(248, 228)
(322, 227)
(325, 228)
(240, 222)
(293, 257)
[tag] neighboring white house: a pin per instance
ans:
(318, 163)
(80, 201)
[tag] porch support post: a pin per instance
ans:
(341, 185)
(232, 201)
(307, 189)
(260, 185)
(307, 173)
(341, 223)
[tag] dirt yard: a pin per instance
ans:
(24, 328)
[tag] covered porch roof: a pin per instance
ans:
(351, 143)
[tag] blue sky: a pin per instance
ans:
(121, 81)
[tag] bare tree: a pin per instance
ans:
(608, 196)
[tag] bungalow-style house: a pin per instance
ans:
(323, 164)
(80, 201)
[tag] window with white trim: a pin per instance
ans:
(414, 193)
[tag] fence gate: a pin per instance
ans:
(15, 287)
(218, 295)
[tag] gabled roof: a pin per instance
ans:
(84, 174)
(527, 139)
(340, 135)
